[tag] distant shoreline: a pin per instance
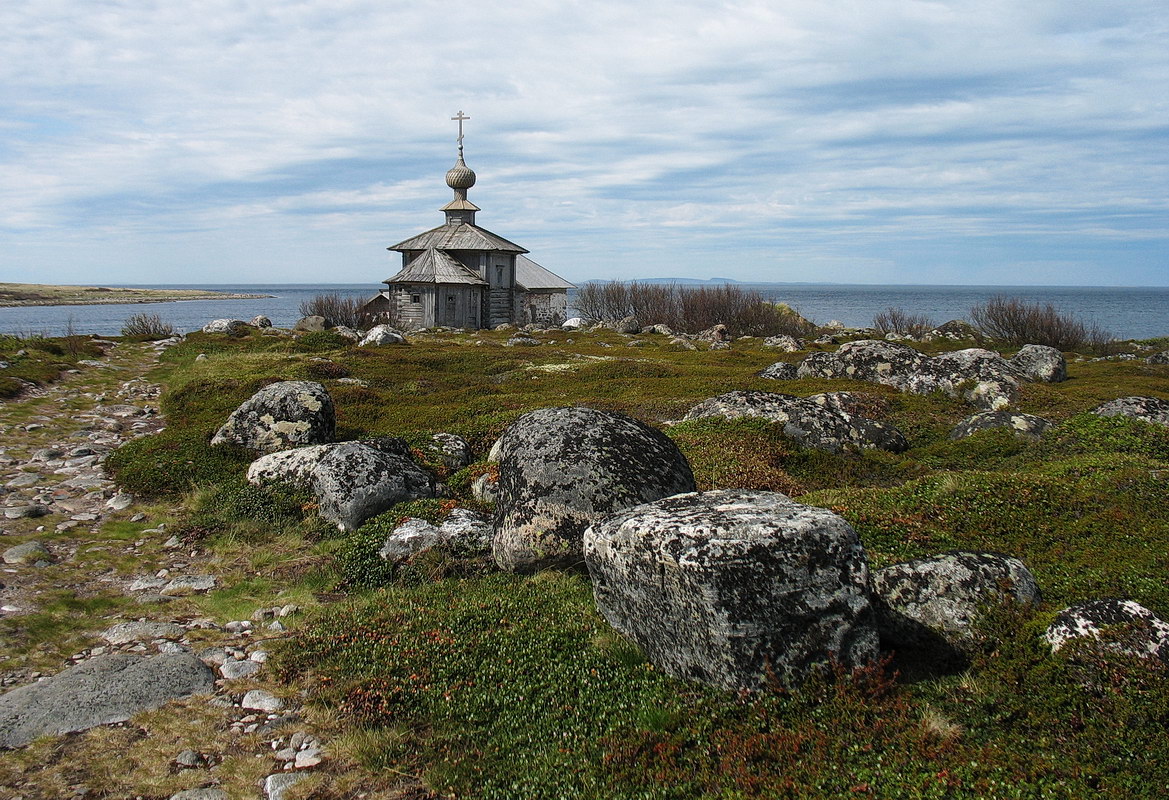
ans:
(23, 295)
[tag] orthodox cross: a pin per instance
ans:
(460, 119)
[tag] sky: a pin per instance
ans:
(856, 141)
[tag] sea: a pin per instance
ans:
(1125, 312)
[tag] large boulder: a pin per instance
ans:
(99, 691)
(783, 343)
(981, 377)
(314, 323)
(627, 325)
(380, 335)
(463, 528)
(1038, 362)
(872, 360)
(930, 605)
(1146, 409)
(734, 587)
(452, 450)
(818, 422)
(1161, 358)
(1026, 426)
(780, 371)
(351, 481)
(1112, 625)
(561, 469)
(280, 416)
(232, 327)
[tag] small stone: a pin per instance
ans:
(120, 502)
(308, 758)
(188, 584)
(276, 786)
(234, 670)
(287, 754)
(189, 758)
(261, 700)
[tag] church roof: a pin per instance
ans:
(531, 276)
(459, 236)
(435, 266)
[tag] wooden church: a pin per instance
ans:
(460, 275)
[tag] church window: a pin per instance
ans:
(499, 275)
(415, 298)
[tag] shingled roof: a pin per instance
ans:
(459, 236)
(530, 276)
(435, 266)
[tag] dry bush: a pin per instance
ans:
(148, 327)
(338, 310)
(745, 312)
(1017, 322)
(902, 322)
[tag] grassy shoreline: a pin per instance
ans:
(15, 295)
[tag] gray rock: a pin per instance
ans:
(309, 757)
(1159, 358)
(522, 341)
(120, 502)
(715, 334)
(187, 585)
(786, 344)
(235, 670)
(231, 327)
(930, 605)
(29, 511)
(1027, 426)
(871, 360)
(276, 786)
(260, 321)
(99, 691)
(280, 416)
(380, 335)
(345, 332)
(1038, 362)
(27, 553)
(954, 330)
(659, 330)
(818, 422)
(462, 527)
(452, 450)
(627, 325)
(1146, 409)
(485, 487)
(352, 481)
(260, 700)
(572, 324)
(209, 793)
(730, 587)
(1134, 629)
(312, 324)
(561, 469)
(781, 371)
(126, 632)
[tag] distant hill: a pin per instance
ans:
(717, 282)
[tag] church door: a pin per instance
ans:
(450, 318)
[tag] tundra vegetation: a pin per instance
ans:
(446, 678)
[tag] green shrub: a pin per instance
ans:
(1094, 434)
(173, 462)
(318, 341)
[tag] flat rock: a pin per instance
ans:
(280, 416)
(819, 422)
(1146, 409)
(260, 700)
(142, 631)
(732, 587)
(276, 786)
(1026, 426)
(188, 584)
(561, 469)
(210, 793)
(231, 327)
(99, 691)
(235, 670)
(785, 344)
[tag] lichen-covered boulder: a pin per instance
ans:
(313, 323)
(733, 587)
(954, 330)
(1159, 358)
(780, 371)
(1146, 409)
(816, 422)
(1038, 362)
(345, 332)
(280, 416)
(931, 604)
(715, 334)
(351, 481)
(1119, 626)
(627, 325)
(1026, 426)
(561, 469)
(981, 377)
(466, 529)
(784, 343)
(522, 340)
(380, 335)
(451, 450)
(872, 360)
(260, 321)
(232, 327)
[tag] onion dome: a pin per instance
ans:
(460, 176)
